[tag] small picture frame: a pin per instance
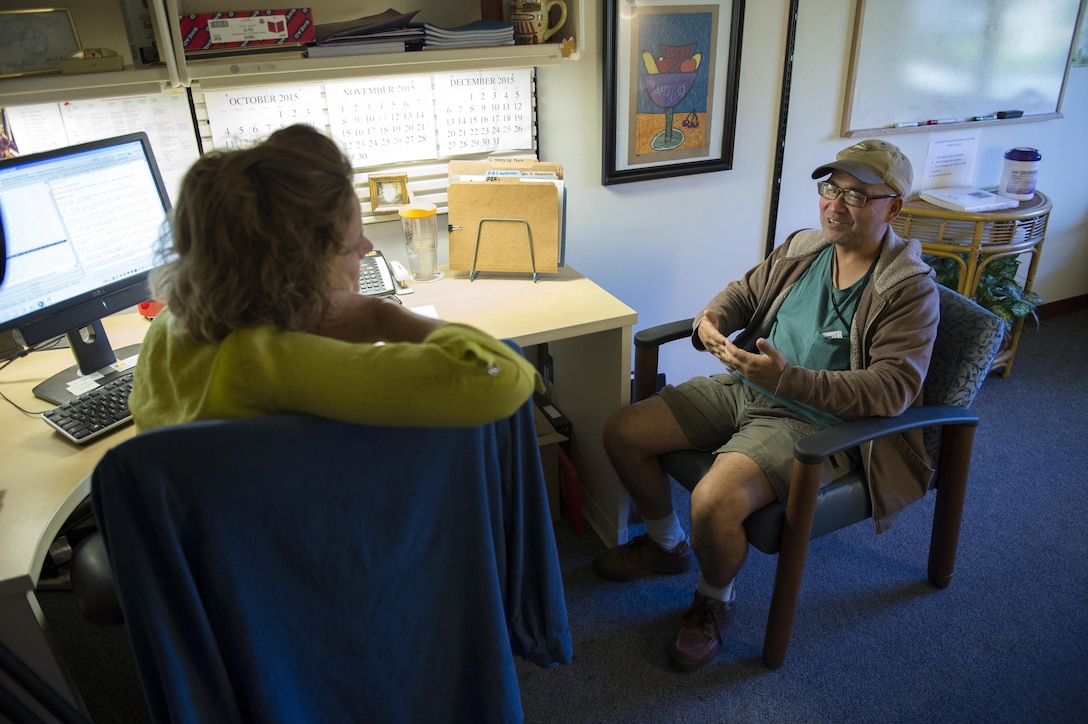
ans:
(35, 41)
(388, 193)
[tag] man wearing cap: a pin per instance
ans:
(838, 323)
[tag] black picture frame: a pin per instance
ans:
(695, 47)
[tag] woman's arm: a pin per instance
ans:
(457, 376)
(361, 318)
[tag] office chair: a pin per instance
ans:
(26, 697)
(968, 337)
(290, 568)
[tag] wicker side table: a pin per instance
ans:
(973, 240)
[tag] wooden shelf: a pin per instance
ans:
(105, 29)
(255, 71)
(57, 87)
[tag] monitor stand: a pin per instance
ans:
(95, 361)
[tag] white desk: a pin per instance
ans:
(588, 333)
(43, 477)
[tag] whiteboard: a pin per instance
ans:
(918, 60)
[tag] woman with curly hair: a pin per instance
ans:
(262, 312)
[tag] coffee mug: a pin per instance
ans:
(531, 20)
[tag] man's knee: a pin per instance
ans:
(644, 428)
(620, 428)
(734, 488)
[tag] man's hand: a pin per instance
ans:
(763, 369)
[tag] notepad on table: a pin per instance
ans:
(967, 199)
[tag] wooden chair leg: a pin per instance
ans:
(645, 383)
(956, 444)
(793, 550)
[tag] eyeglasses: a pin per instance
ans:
(852, 198)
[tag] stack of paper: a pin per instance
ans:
(477, 34)
(357, 47)
(967, 199)
(506, 214)
(387, 32)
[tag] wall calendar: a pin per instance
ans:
(484, 112)
(383, 120)
(388, 120)
(241, 118)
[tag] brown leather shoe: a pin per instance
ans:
(701, 630)
(639, 556)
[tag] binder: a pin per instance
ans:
(506, 215)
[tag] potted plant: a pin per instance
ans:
(997, 290)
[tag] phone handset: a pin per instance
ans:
(402, 276)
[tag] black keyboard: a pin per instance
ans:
(94, 413)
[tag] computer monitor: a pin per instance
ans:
(80, 227)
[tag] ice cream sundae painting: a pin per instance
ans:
(674, 88)
(672, 69)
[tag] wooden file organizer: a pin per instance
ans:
(505, 223)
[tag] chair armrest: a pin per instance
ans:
(817, 447)
(647, 343)
(663, 333)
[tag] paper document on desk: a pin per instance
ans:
(967, 199)
(501, 208)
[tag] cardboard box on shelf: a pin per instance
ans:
(243, 29)
(141, 33)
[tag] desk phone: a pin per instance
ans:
(374, 275)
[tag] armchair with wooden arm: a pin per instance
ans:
(968, 337)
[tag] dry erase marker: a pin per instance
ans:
(991, 117)
(935, 121)
(907, 124)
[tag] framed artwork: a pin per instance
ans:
(35, 41)
(388, 193)
(672, 68)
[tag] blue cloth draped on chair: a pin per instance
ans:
(290, 568)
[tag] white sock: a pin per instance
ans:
(726, 593)
(666, 532)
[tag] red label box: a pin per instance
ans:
(247, 29)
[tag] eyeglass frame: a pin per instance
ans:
(848, 194)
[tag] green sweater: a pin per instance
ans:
(458, 376)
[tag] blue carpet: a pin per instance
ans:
(1007, 641)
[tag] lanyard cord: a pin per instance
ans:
(857, 300)
(838, 312)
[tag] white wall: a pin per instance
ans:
(665, 247)
(823, 42)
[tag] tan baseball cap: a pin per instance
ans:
(873, 162)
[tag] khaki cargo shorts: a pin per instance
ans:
(722, 414)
